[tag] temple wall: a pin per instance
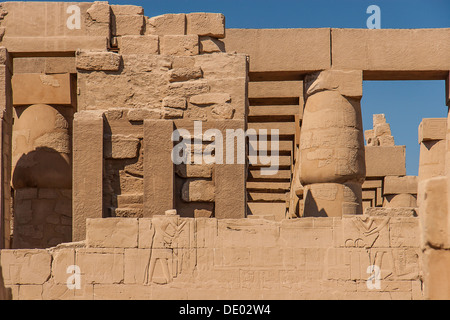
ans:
(310, 258)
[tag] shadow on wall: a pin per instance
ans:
(5, 293)
(311, 208)
(43, 168)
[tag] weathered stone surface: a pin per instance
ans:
(385, 161)
(210, 98)
(301, 49)
(179, 45)
(397, 185)
(432, 129)
(175, 102)
(139, 44)
(112, 233)
(167, 24)
(198, 191)
(35, 88)
(128, 25)
(211, 44)
(98, 60)
(121, 147)
(25, 266)
(142, 114)
(206, 24)
(184, 74)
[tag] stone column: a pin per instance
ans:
(158, 167)
(332, 144)
(87, 170)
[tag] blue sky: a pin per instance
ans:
(404, 103)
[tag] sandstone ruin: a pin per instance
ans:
(92, 94)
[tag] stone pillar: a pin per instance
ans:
(432, 133)
(332, 144)
(230, 178)
(87, 187)
(5, 147)
(158, 167)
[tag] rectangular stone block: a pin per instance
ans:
(148, 44)
(158, 184)
(179, 45)
(433, 213)
(54, 44)
(112, 232)
(436, 274)
(275, 89)
(206, 24)
(230, 178)
(398, 185)
(87, 170)
(275, 50)
(385, 161)
(432, 129)
(101, 266)
(167, 24)
(34, 88)
(391, 50)
(124, 25)
(98, 60)
(26, 266)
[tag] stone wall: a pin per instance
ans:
(186, 258)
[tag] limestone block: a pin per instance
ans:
(124, 25)
(25, 266)
(175, 102)
(62, 258)
(34, 88)
(98, 60)
(170, 113)
(167, 24)
(390, 49)
(397, 185)
(222, 111)
(87, 170)
(112, 233)
(198, 190)
(436, 274)
(184, 74)
(378, 119)
(385, 161)
(432, 129)
(179, 45)
(121, 147)
(210, 45)
(210, 98)
(382, 130)
(188, 88)
(346, 82)
(158, 184)
(101, 265)
(387, 141)
(277, 89)
(99, 12)
(432, 159)
(400, 200)
(144, 113)
(391, 212)
(194, 171)
(119, 10)
(54, 44)
(433, 213)
(206, 24)
(139, 44)
(294, 49)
